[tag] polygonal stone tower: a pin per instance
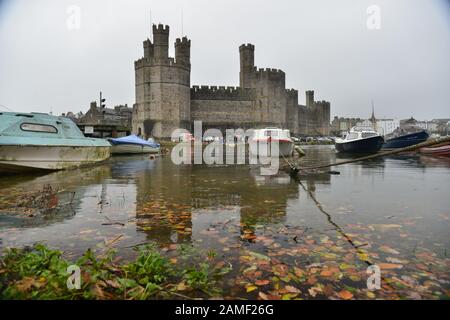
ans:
(162, 87)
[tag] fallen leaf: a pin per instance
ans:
(262, 282)
(326, 273)
(25, 284)
(292, 289)
(345, 294)
(389, 266)
(389, 250)
(263, 296)
(181, 286)
(251, 288)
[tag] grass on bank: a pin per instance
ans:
(41, 273)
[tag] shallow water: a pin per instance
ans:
(319, 235)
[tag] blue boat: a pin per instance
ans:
(360, 140)
(406, 140)
(39, 141)
(133, 145)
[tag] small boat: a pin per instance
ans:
(39, 141)
(133, 145)
(439, 151)
(406, 140)
(360, 140)
(262, 141)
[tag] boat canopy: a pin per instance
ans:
(42, 129)
(133, 139)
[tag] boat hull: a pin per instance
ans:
(368, 145)
(406, 140)
(22, 158)
(442, 151)
(132, 149)
(264, 148)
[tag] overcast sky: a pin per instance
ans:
(321, 45)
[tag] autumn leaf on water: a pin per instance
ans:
(298, 272)
(326, 273)
(263, 296)
(262, 282)
(345, 294)
(251, 288)
(389, 266)
(387, 249)
(292, 289)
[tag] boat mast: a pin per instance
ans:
(373, 119)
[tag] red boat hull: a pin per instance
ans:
(442, 151)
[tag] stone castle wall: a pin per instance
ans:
(165, 101)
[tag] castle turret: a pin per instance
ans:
(183, 51)
(162, 87)
(247, 60)
(160, 44)
(309, 98)
(148, 49)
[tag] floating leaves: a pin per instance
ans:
(345, 294)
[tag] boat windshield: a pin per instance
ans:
(271, 133)
(368, 134)
(352, 136)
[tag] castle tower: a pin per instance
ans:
(161, 43)
(183, 51)
(247, 61)
(148, 49)
(162, 87)
(309, 98)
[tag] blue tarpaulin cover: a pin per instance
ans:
(133, 139)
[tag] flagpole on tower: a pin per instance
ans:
(182, 32)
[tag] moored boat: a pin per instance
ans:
(406, 140)
(39, 141)
(360, 140)
(133, 145)
(264, 140)
(439, 151)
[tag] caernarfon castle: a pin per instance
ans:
(166, 101)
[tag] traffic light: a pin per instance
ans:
(102, 100)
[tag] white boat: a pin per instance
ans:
(38, 141)
(271, 142)
(133, 145)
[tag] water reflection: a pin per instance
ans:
(154, 200)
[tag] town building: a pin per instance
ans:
(102, 122)
(341, 125)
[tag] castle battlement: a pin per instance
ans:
(182, 41)
(292, 94)
(147, 43)
(141, 63)
(271, 73)
(246, 46)
(160, 29)
(221, 92)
